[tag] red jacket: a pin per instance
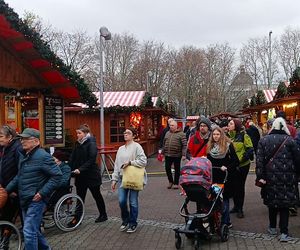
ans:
(195, 143)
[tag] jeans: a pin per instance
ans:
(283, 218)
(225, 214)
(168, 164)
(129, 217)
(32, 216)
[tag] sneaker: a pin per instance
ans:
(272, 231)
(131, 229)
(175, 187)
(229, 225)
(101, 218)
(170, 185)
(285, 238)
(123, 227)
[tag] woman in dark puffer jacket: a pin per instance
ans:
(87, 173)
(279, 179)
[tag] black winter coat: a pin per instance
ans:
(231, 161)
(83, 157)
(253, 132)
(281, 189)
(9, 159)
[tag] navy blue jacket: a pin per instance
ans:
(66, 174)
(9, 159)
(38, 173)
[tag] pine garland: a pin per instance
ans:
(45, 52)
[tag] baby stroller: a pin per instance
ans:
(196, 181)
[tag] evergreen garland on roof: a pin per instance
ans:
(44, 50)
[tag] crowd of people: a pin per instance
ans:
(232, 145)
(31, 175)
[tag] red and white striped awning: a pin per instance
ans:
(118, 98)
(269, 94)
(192, 117)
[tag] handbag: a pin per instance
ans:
(133, 178)
(257, 182)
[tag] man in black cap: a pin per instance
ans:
(37, 178)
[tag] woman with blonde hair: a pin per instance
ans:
(221, 153)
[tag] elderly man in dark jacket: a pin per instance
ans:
(277, 165)
(174, 149)
(37, 178)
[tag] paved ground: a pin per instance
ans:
(159, 215)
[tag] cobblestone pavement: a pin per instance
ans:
(159, 215)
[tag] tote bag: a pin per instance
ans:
(133, 178)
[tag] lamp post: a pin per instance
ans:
(270, 60)
(106, 35)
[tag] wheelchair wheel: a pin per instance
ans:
(69, 212)
(10, 236)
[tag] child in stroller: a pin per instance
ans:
(196, 181)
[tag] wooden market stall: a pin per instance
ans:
(122, 109)
(34, 82)
(287, 101)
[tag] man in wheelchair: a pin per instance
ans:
(64, 188)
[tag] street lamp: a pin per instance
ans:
(149, 80)
(270, 59)
(104, 33)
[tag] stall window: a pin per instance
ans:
(117, 128)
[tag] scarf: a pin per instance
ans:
(215, 151)
(88, 135)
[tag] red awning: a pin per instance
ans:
(24, 48)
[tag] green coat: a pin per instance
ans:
(243, 147)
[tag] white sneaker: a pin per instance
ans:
(123, 227)
(131, 229)
(272, 231)
(285, 238)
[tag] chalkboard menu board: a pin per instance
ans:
(54, 120)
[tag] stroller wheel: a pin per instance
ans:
(177, 241)
(224, 233)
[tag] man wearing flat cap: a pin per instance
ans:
(198, 142)
(38, 176)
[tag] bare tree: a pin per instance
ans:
(288, 50)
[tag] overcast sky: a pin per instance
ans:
(174, 22)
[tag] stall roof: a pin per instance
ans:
(192, 117)
(27, 45)
(120, 98)
(269, 94)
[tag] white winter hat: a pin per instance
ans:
(280, 124)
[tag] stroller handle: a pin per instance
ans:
(226, 173)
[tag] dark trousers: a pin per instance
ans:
(283, 218)
(240, 180)
(81, 192)
(168, 163)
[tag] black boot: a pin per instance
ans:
(101, 218)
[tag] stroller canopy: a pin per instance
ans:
(197, 171)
